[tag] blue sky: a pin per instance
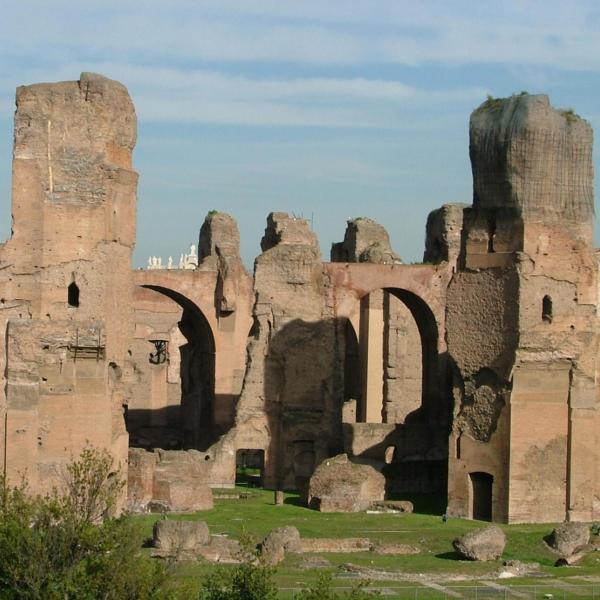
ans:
(329, 110)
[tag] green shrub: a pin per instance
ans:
(252, 579)
(65, 545)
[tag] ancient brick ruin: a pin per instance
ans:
(472, 374)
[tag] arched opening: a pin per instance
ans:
(173, 403)
(481, 495)
(547, 309)
(398, 359)
(249, 467)
(73, 295)
(404, 399)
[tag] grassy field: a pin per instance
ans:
(436, 563)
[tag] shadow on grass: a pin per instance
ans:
(449, 556)
(295, 501)
(426, 504)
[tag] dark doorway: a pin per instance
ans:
(249, 467)
(481, 496)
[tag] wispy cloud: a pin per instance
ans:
(205, 96)
(337, 32)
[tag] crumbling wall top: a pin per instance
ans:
(364, 241)
(532, 158)
(219, 240)
(289, 231)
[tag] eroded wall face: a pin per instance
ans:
(293, 389)
(73, 225)
(402, 362)
(525, 357)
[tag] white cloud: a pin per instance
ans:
(337, 32)
(204, 96)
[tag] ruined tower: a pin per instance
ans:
(66, 279)
(521, 319)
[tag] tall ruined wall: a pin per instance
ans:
(293, 389)
(530, 226)
(66, 273)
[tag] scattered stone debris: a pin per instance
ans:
(517, 568)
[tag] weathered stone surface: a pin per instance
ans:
(444, 233)
(403, 506)
(140, 478)
(169, 480)
(173, 537)
(339, 485)
(511, 140)
(481, 544)
(365, 241)
(568, 538)
(180, 479)
(67, 265)
(279, 541)
(219, 249)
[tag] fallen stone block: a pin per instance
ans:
(568, 538)
(481, 544)
(394, 506)
(277, 542)
(174, 537)
(339, 485)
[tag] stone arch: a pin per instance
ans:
(423, 319)
(197, 371)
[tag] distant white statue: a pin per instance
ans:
(154, 262)
(191, 259)
(181, 262)
(170, 263)
(159, 263)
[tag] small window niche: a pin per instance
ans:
(73, 295)
(547, 309)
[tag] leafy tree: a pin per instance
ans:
(64, 545)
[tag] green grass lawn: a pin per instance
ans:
(258, 515)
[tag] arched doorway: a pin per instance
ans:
(173, 407)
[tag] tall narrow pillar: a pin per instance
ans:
(371, 356)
